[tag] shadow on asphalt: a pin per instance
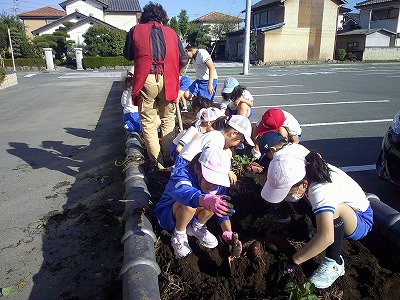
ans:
(82, 253)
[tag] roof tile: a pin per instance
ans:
(43, 12)
(216, 17)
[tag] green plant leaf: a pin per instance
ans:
(9, 291)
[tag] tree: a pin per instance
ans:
(173, 23)
(200, 36)
(225, 25)
(183, 23)
(100, 40)
(117, 42)
(57, 40)
(17, 34)
(97, 40)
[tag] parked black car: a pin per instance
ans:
(388, 164)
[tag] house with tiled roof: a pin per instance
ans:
(289, 30)
(39, 17)
(378, 34)
(216, 18)
(115, 14)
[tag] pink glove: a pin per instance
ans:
(216, 204)
(235, 246)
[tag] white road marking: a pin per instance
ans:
(274, 86)
(357, 168)
(346, 123)
(29, 75)
(91, 75)
(323, 103)
(296, 93)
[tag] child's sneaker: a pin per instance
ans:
(326, 274)
(180, 244)
(206, 238)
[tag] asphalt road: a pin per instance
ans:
(48, 118)
(344, 111)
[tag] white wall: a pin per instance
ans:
(76, 33)
(381, 54)
(121, 21)
(52, 29)
(377, 40)
(86, 7)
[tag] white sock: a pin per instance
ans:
(180, 232)
(197, 225)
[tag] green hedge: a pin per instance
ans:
(25, 62)
(97, 62)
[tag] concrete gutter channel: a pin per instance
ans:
(140, 269)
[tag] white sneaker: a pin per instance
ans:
(180, 244)
(206, 238)
(327, 273)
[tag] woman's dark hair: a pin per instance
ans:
(154, 12)
(317, 170)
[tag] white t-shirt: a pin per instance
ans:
(290, 123)
(325, 197)
(126, 102)
(202, 72)
(186, 136)
(213, 139)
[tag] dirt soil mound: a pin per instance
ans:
(372, 265)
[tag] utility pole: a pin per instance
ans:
(15, 9)
(11, 48)
(246, 56)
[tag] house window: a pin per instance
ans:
(383, 14)
(263, 18)
(256, 20)
(271, 17)
(351, 46)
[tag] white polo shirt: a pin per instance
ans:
(202, 72)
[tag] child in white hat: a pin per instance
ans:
(192, 196)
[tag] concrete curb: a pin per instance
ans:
(386, 220)
(140, 270)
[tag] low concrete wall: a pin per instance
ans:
(381, 54)
(10, 80)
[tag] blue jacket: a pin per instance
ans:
(183, 187)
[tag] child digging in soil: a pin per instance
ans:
(193, 194)
(275, 119)
(229, 132)
(341, 208)
(237, 100)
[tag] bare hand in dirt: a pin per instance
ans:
(232, 178)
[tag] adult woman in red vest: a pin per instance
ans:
(159, 57)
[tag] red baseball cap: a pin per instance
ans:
(271, 120)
